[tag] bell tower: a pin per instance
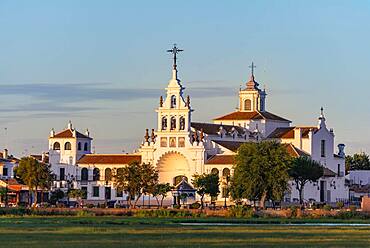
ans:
(252, 98)
(174, 112)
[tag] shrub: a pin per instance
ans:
(340, 204)
(294, 211)
(84, 213)
(351, 215)
(195, 205)
(327, 207)
(176, 206)
(240, 211)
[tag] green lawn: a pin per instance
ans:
(141, 232)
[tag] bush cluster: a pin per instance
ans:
(240, 211)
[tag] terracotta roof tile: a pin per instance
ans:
(294, 151)
(288, 132)
(221, 159)
(109, 159)
(254, 115)
(68, 133)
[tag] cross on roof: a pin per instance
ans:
(252, 66)
(174, 51)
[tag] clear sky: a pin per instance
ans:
(103, 65)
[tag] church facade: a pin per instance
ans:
(180, 147)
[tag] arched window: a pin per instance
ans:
(248, 105)
(182, 123)
(79, 147)
(56, 146)
(164, 123)
(226, 172)
(173, 101)
(96, 174)
(173, 123)
(67, 146)
(84, 174)
(108, 174)
(215, 171)
(86, 146)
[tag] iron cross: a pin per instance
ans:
(174, 51)
(252, 66)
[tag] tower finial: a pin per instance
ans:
(174, 51)
(322, 118)
(252, 66)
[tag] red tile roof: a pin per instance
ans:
(294, 151)
(221, 159)
(13, 184)
(254, 115)
(288, 132)
(68, 133)
(39, 157)
(109, 159)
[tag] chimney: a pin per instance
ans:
(5, 154)
(87, 132)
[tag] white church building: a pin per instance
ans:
(180, 147)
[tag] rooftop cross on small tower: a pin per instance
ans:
(252, 66)
(174, 51)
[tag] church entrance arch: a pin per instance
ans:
(172, 167)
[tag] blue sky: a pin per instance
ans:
(103, 65)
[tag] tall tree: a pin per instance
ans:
(206, 184)
(359, 161)
(161, 190)
(304, 170)
(136, 179)
(260, 172)
(34, 174)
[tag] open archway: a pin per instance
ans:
(171, 165)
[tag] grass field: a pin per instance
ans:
(142, 232)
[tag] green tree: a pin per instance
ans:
(260, 172)
(359, 161)
(304, 170)
(36, 175)
(77, 194)
(206, 184)
(136, 179)
(161, 190)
